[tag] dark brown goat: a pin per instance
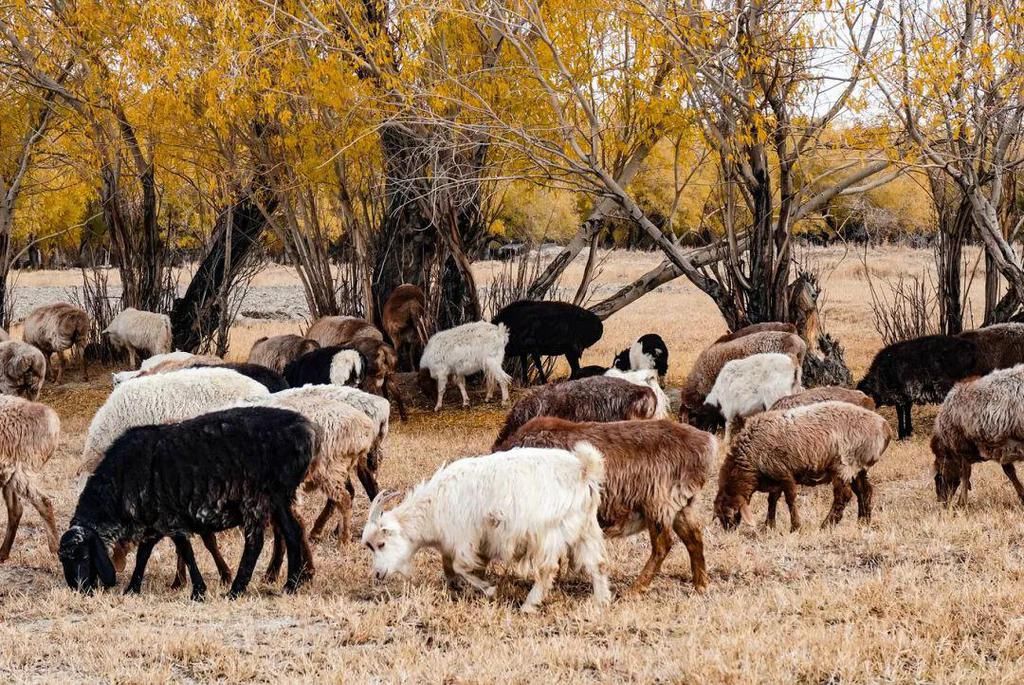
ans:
(654, 471)
(404, 319)
(600, 398)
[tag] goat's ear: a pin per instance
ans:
(101, 560)
(745, 515)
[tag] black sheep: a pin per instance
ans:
(273, 381)
(919, 371)
(548, 329)
(238, 467)
(334, 364)
(650, 346)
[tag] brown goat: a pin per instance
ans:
(341, 330)
(277, 351)
(757, 328)
(379, 374)
(404, 319)
(824, 393)
(654, 471)
(599, 398)
(56, 327)
(22, 369)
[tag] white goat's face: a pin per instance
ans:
(391, 548)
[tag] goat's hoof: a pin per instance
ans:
(529, 609)
(199, 594)
(132, 590)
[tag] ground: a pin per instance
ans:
(924, 594)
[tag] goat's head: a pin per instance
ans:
(731, 509)
(383, 535)
(869, 386)
(427, 384)
(947, 469)
(84, 558)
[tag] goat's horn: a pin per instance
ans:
(378, 502)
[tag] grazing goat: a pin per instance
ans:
(981, 420)
(589, 399)
(710, 362)
(276, 352)
(1000, 346)
(766, 327)
(828, 442)
(549, 329)
(140, 334)
(648, 378)
(648, 352)
(404, 319)
(171, 361)
(919, 371)
(745, 387)
(461, 351)
(231, 468)
(527, 507)
(331, 331)
(54, 328)
(334, 364)
(22, 369)
(825, 393)
(29, 435)
(654, 471)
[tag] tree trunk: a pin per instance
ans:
(195, 317)
(953, 231)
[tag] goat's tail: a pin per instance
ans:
(591, 461)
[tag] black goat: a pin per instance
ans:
(548, 329)
(230, 468)
(648, 352)
(919, 371)
(273, 381)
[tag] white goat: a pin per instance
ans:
(748, 386)
(137, 331)
(464, 350)
(526, 507)
(647, 378)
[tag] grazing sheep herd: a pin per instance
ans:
(188, 445)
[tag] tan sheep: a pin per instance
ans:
(341, 330)
(56, 327)
(29, 435)
(22, 369)
(825, 393)
(827, 442)
(139, 333)
(277, 351)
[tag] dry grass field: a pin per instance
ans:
(922, 595)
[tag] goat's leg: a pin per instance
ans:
(210, 542)
(451, 578)
(865, 493)
(965, 483)
(185, 553)
(789, 490)
(253, 546)
(466, 569)
(322, 519)
(85, 361)
(524, 369)
(661, 545)
(688, 528)
(442, 384)
(589, 554)
(841, 494)
(489, 385)
(343, 523)
(908, 408)
(540, 368)
(42, 504)
(543, 579)
(773, 505)
(276, 556)
(58, 368)
(574, 364)
(134, 586)
(460, 381)
(1011, 473)
(14, 511)
(368, 479)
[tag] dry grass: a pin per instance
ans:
(923, 595)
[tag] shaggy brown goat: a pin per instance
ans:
(1000, 346)
(710, 362)
(341, 330)
(825, 393)
(276, 351)
(599, 398)
(56, 327)
(828, 442)
(654, 471)
(404, 319)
